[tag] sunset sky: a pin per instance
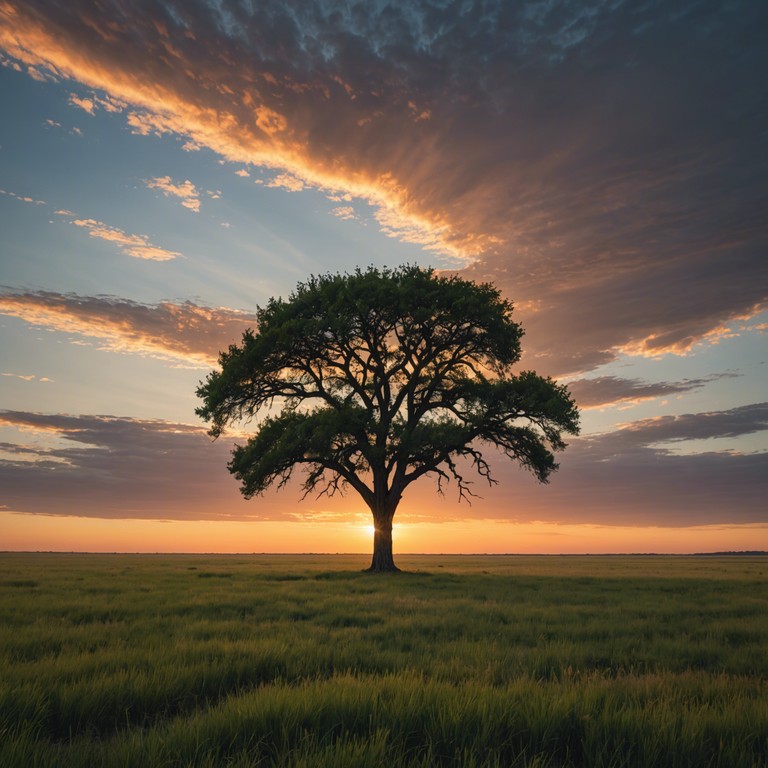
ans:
(165, 167)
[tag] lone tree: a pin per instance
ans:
(376, 378)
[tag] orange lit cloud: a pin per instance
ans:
(94, 102)
(137, 246)
(87, 105)
(185, 334)
(185, 191)
(286, 181)
(344, 212)
(548, 149)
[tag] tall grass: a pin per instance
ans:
(302, 661)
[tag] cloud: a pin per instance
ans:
(148, 124)
(602, 391)
(186, 333)
(27, 377)
(185, 191)
(124, 468)
(603, 162)
(87, 105)
(53, 124)
(633, 476)
(10, 64)
(41, 75)
(286, 181)
(744, 420)
(94, 102)
(22, 198)
(109, 104)
(137, 246)
(245, 118)
(105, 466)
(344, 212)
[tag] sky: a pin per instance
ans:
(167, 167)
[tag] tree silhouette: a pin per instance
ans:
(373, 379)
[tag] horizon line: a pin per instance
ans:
(723, 553)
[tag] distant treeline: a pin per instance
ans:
(750, 552)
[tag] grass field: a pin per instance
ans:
(169, 660)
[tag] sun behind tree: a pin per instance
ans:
(380, 377)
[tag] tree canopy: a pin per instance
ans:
(373, 379)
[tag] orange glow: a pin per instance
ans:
(22, 532)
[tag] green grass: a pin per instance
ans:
(138, 660)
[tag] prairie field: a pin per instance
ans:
(182, 660)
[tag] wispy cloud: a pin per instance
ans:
(185, 334)
(185, 191)
(744, 420)
(22, 198)
(602, 391)
(55, 124)
(27, 377)
(137, 246)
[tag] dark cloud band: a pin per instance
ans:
(604, 391)
(103, 466)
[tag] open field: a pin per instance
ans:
(144, 660)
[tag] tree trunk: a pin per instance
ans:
(382, 562)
